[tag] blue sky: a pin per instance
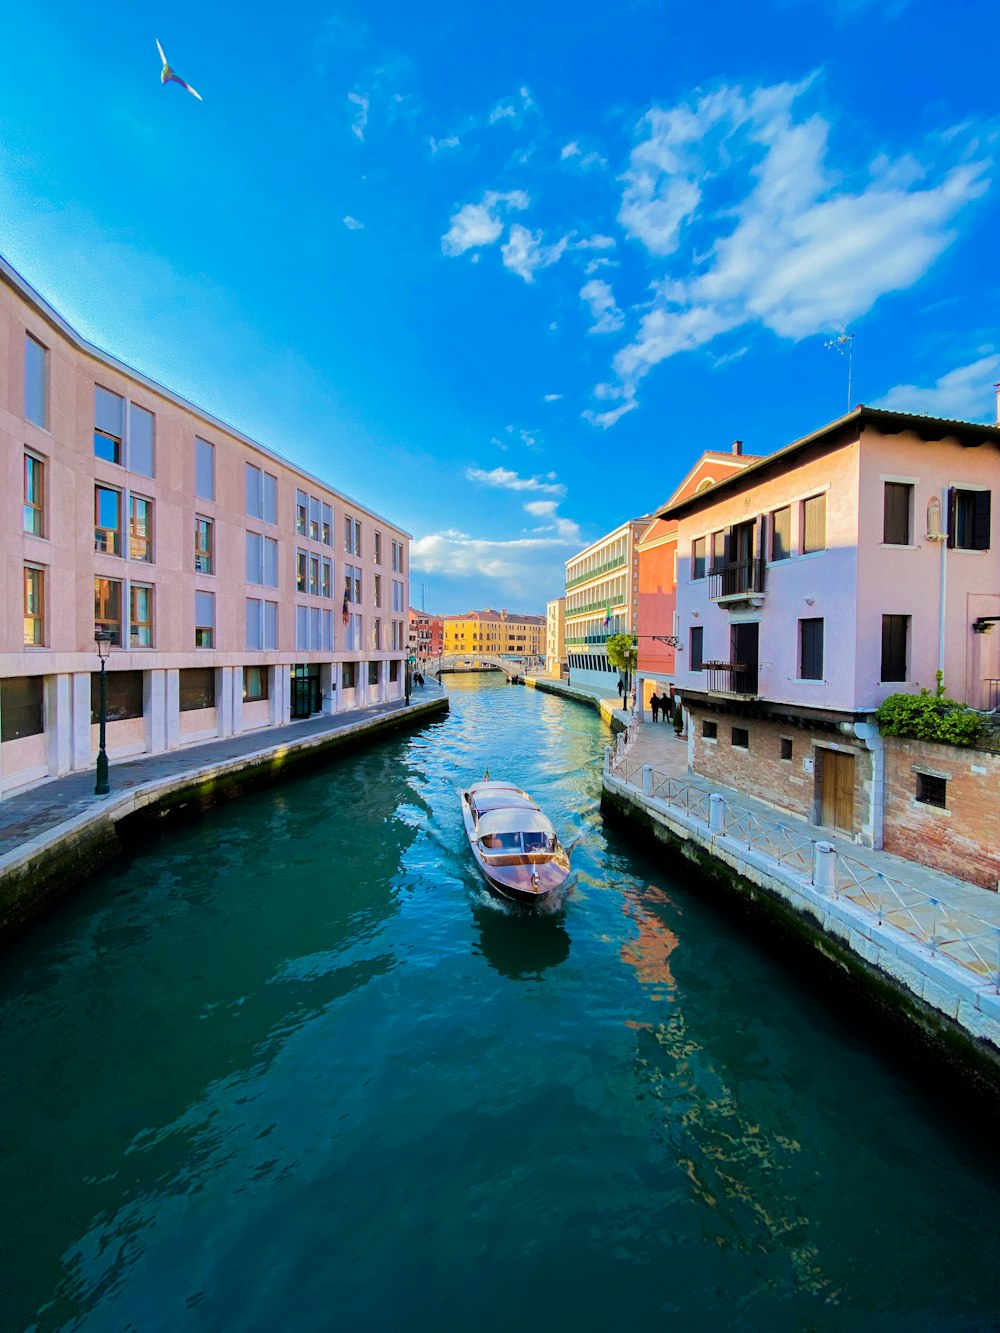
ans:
(503, 272)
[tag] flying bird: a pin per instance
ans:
(167, 75)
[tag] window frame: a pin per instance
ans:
(107, 622)
(204, 468)
(897, 513)
(931, 789)
(774, 532)
(115, 549)
(696, 633)
(43, 385)
(699, 559)
(34, 574)
(33, 494)
(804, 513)
(969, 518)
(134, 623)
(204, 630)
(894, 624)
(811, 653)
(204, 553)
(135, 499)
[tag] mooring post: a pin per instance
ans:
(825, 868)
(716, 813)
(647, 779)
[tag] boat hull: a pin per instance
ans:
(533, 881)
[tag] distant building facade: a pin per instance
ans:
(856, 563)
(555, 637)
(239, 591)
(424, 636)
(602, 598)
(499, 633)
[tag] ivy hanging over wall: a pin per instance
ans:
(931, 717)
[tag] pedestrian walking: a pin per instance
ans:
(654, 704)
(621, 690)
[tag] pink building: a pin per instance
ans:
(853, 564)
(240, 592)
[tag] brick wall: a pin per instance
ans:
(790, 784)
(964, 837)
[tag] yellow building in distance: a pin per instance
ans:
(493, 633)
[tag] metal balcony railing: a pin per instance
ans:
(739, 578)
(731, 678)
(595, 573)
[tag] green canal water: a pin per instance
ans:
(287, 1067)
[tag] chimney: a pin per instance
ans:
(737, 447)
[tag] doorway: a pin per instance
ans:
(305, 690)
(745, 643)
(837, 790)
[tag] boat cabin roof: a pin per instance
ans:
(513, 820)
(497, 796)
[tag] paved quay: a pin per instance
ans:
(64, 818)
(934, 936)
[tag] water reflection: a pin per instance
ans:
(517, 944)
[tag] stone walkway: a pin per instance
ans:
(39, 810)
(657, 745)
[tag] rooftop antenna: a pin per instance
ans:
(423, 604)
(844, 343)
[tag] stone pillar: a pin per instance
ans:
(224, 701)
(59, 724)
(716, 813)
(237, 716)
(825, 868)
(647, 779)
(607, 758)
(328, 687)
(640, 712)
(172, 707)
(154, 709)
(83, 754)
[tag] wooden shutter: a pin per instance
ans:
(981, 521)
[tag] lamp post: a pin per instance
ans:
(407, 675)
(103, 640)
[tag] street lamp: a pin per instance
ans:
(103, 640)
(407, 676)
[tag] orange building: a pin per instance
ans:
(657, 552)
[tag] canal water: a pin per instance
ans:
(288, 1067)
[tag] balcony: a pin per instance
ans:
(596, 572)
(735, 680)
(736, 581)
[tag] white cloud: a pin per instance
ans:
(517, 563)
(595, 242)
(479, 224)
(443, 145)
(503, 479)
(352, 224)
(802, 249)
(552, 397)
(524, 253)
(963, 394)
(513, 108)
(569, 150)
(541, 508)
(360, 100)
(603, 309)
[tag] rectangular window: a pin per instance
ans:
(814, 524)
(301, 565)
(932, 790)
(352, 634)
(372, 673)
(141, 431)
(271, 626)
(811, 649)
(397, 596)
(326, 534)
(393, 672)
(254, 558)
(254, 492)
(204, 545)
(781, 533)
(34, 496)
(377, 635)
(710, 730)
(718, 550)
(36, 382)
(786, 747)
(895, 636)
(140, 529)
(196, 689)
(326, 621)
(140, 616)
(122, 696)
(314, 576)
(740, 738)
(34, 606)
(315, 509)
(270, 562)
(897, 514)
(326, 580)
(696, 647)
(21, 709)
(378, 590)
(254, 624)
(254, 684)
(107, 520)
(204, 620)
(108, 608)
(109, 424)
(301, 509)
(352, 535)
(352, 583)
(397, 557)
(378, 548)
(698, 551)
(204, 469)
(270, 498)
(968, 519)
(349, 675)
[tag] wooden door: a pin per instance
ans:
(837, 793)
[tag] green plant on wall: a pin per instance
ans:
(930, 717)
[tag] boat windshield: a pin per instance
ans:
(518, 842)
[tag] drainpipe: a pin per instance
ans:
(942, 602)
(869, 733)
